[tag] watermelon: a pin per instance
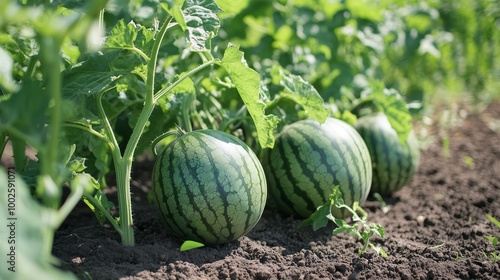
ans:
(209, 186)
(309, 159)
(394, 164)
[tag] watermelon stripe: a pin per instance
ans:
(182, 216)
(253, 162)
(350, 179)
(220, 186)
(209, 187)
(363, 167)
(309, 159)
(279, 193)
(394, 164)
(293, 179)
(375, 158)
(324, 159)
(387, 163)
(166, 169)
(354, 154)
(305, 173)
(193, 174)
(403, 170)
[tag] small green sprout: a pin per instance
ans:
(359, 229)
(493, 239)
(469, 161)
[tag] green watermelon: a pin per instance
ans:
(209, 187)
(309, 159)
(394, 164)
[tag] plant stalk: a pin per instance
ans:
(124, 165)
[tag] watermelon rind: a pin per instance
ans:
(309, 159)
(209, 186)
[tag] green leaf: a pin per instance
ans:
(189, 244)
(231, 8)
(392, 104)
(28, 123)
(130, 36)
(90, 76)
(493, 220)
(173, 7)
(6, 68)
(102, 72)
(202, 23)
(348, 117)
(336, 197)
(247, 83)
(365, 9)
(319, 218)
(302, 93)
(379, 250)
(122, 35)
(186, 86)
(98, 72)
(34, 227)
(344, 227)
(492, 239)
(77, 164)
(100, 198)
(30, 173)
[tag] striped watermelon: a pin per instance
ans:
(309, 159)
(209, 187)
(393, 163)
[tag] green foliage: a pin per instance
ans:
(494, 257)
(32, 231)
(189, 245)
(493, 239)
(469, 162)
(359, 229)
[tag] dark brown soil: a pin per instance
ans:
(435, 229)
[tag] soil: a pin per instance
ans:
(436, 228)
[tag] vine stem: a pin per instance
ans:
(49, 56)
(123, 165)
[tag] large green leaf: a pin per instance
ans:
(302, 93)
(28, 123)
(130, 36)
(392, 104)
(32, 225)
(97, 73)
(101, 72)
(202, 23)
(247, 83)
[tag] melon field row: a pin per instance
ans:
(210, 187)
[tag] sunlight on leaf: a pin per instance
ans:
(173, 7)
(392, 104)
(122, 35)
(6, 68)
(302, 93)
(202, 23)
(247, 83)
